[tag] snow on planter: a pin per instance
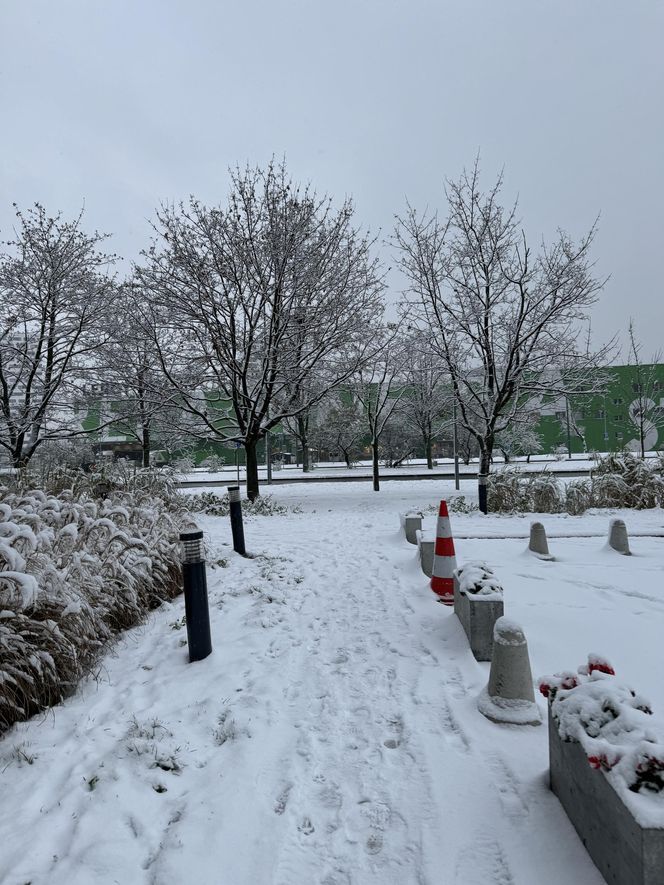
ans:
(509, 697)
(607, 769)
(478, 603)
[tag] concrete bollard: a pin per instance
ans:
(618, 539)
(411, 523)
(425, 546)
(509, 697)
(478, 604)
(538, 543)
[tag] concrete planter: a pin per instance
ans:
(625, 852)
(478, 616)
(425, 546)
(411, 523)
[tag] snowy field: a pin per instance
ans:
(333, 735)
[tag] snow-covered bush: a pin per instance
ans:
(214, 463)
(544, 493)
(616, 481)
(459, 504)
(73, 572)
(611, 722)
(627, 481)
(185, 464)
(508, 491)
(578, 496)
(215, 505)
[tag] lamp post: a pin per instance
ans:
(195, 595)
(455, 444)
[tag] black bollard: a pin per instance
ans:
(195, 596)
(236, 520)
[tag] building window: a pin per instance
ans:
(601, 413)
(618, 435)
(618, 417)
(560, 416)
(617, 401)
(636, 388)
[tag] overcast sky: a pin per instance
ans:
(122, 104)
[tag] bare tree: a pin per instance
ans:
(143, 405)
(502, 317)
(400, 439)
(645, 392)
(341, 429)
(520, 438)
(261, 295)
(54, 293)
(379, 388)
(427, 403)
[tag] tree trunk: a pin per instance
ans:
(374, 458)
(427, 448)
(485, 464)
(252, 469)
(145, 446)
(304, 440)
(347, 458)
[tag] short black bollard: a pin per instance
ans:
(236, 520)
(195, 596)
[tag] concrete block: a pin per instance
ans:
(625, 852)
(538, 543)
(478, 614)
(425, 546)
(411, 523)
(509, 697)
(618, 539)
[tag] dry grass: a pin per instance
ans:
(74, 571)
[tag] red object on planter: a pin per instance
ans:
(595, 662)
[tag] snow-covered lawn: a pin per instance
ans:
(333, 736)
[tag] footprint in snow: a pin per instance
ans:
(482, 861)
(306, 827)
(282, 799)
(341, 656)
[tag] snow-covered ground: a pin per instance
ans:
(333, 735)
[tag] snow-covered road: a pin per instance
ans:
(333, 736)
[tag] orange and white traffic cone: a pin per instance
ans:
(444, 558)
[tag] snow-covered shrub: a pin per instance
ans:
(610, 721)
(626, 481)
(508, 491)
(458, 504)
(215, 505)
(578, 496)
(185, 464)
(544, 493)
(478, 579)
(213, 463)
(73, 572)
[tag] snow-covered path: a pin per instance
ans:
(331, 738)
